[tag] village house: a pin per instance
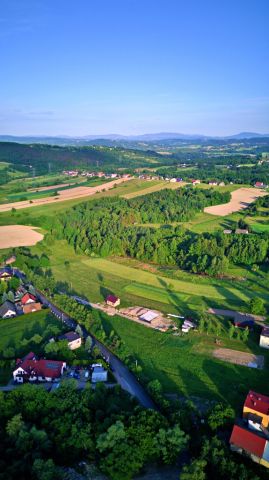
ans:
(112, 301)
(264, 337)
(251, 443)
(213, 183)
(258, 405)
(250, 436)
(6, 274)
(227, 231)
(28, 298)
(195, 182)
(8, 310)
(31, 369)
(31, 307)
(73, 339)
(260, 185)
(99, 374)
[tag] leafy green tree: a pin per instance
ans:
(194, 471)
(170, 443)
(88, 343)
(220, 416)
(46, 470)
(257, 307)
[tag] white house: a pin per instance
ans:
(31, 369)
(8, 310)
(73, 339)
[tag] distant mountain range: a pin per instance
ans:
(115, 138)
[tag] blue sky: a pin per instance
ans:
(79, 67)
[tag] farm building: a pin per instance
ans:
(112, 301)
(149, 316)
(31, 369)
(8, 310)
(264, 337)
(73, 339)
(260, 185)
(99, 374)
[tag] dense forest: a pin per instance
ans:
(116, 227)
(68, 433)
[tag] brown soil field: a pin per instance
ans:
(239, 358)
(69, 194)
(51, 187)
(18, 236)
(241, 199)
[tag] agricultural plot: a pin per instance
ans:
(18, 236)
(159, 185)
(241, 199)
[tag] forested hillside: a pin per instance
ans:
(53, 158)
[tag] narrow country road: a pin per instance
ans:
(124, 377)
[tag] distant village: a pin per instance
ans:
(149, 177)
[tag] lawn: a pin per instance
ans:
(13, 330)
(185, 365)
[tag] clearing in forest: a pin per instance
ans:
(241, 199)
(18, 236)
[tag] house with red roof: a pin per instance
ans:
(257, 404)
(31, 369)
(28, 298)
(112, 301)
(260, 185)
(250, 436)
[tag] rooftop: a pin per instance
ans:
(248, 440)
(257, 402)
(69, 336)
(265, 332)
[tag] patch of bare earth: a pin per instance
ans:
(241, 199)
(239, 358)
(18, 236)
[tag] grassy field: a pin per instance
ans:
(185, 365)
(167, 289)
(155, 186)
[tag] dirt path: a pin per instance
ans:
(69, 194)
(241, 199)
(18, 236)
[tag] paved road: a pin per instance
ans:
(238, 316)
(123, 376)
